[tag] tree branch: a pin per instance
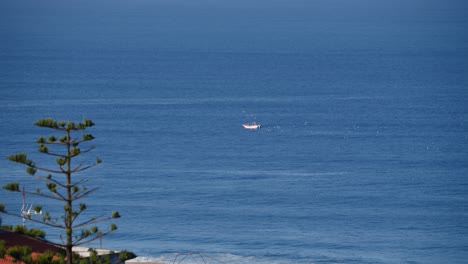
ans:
(79, 169)
(44, 169)
(79, 196)
(94, 220)
(96, 236)
(52, 224)
(49, 180)
(57, 196)
(54, 154)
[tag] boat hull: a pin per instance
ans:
(251, 126)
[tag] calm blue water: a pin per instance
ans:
(363, 152)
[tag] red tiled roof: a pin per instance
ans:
(37, 246)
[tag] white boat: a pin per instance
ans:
(251, 126)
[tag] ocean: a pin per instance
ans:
(362, 154)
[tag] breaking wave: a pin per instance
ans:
(210, 258)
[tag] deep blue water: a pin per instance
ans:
(362, 156)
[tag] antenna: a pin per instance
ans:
(27, 211)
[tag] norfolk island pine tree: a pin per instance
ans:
(63, 184)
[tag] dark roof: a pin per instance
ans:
(36, 245)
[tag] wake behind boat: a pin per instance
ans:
(251, 126)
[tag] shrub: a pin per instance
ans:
(60, 260)
(126, 255)
(37, 233)
(7, 227)
(2, 248)
(19, 229)
(45, 258)
(33, 232)
(19, 252)
(27, 259)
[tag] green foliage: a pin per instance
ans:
(46, 217)
(126, 255)
(87, 122)
(19, 229)
(47, 122)
(104, 259)
(27, 258)
(31, 171)
(37, 208)
(70, 126)
(19, 253)
(60, 259)
(2, 248)
(36, 233)
(87, 137)
(46, 258)
(12, 187)
(64, 187)
(43, 148)
(49, 257)
(94, 258)
(61, 161)
(33, 232)
(52, 187)
(75, 151)
(85, 233)
(115, 214)
(23, 253)
(21, 158)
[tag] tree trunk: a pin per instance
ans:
(69, 249)
(69, 208)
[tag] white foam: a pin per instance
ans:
(208, 258)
